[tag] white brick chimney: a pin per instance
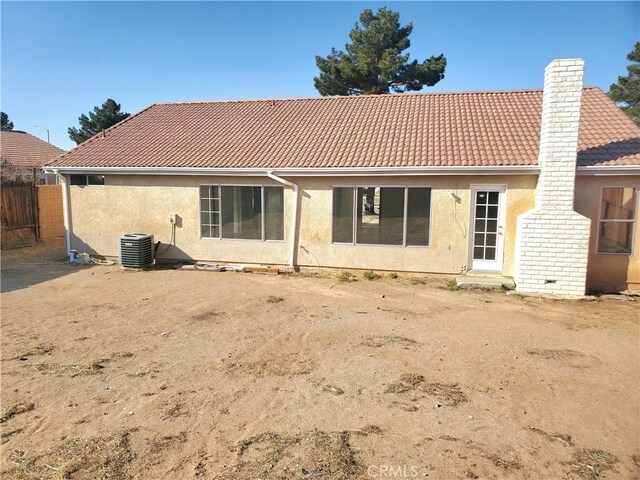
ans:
(552, 239)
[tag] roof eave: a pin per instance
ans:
(608, 170)
(303, 172)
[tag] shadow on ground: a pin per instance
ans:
(24, 267)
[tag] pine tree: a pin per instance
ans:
(626, 93)
(6, 124)
(374, 63)
(99, 119)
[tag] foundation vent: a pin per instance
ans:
(136, 250)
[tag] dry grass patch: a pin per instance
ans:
(90, 367)
(549, 354)
(314, 454)
(81, 458)
(506, 465)
(274, 299)
(407, 407)
(16, 409)
(382, 340)
(208, 315)
(175, 411)
(554, 437)
(32, 351)
(448, 393)
(590, 464)
(407, 381)
(279, 365)
(346, 277)
(371, 275)
(4, 436)
(333, 390)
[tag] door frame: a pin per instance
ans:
(502, 216)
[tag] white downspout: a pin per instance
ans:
(66, 211)
(294, 222)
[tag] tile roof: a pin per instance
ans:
(452, 129)
(21, 149)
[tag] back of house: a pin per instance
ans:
(538, 185)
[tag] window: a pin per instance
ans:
(84, 180)
(377, 215)
(209, 211)
(242, 212)
(343, 215)
(274, 213)
(617, 220)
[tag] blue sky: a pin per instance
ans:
(60, 59)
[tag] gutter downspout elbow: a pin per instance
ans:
(294, 222)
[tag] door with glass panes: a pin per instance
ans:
(487, 225)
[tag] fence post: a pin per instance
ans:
(36, 216)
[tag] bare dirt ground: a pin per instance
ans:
(109, 373)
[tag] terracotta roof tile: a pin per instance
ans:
(475, 129)
(21, 149)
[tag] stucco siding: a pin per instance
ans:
(607, 271)
(448, 251)
(126, 204)
(144, 204)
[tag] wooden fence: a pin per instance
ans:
(19, 207)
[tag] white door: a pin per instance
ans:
(487, 227)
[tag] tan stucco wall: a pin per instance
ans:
(606, 271)
(143, 204)
(448, 252)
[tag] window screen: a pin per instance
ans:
(241, 212)
(343, 215)
(274, 213)
(380, 215)
(418, 216)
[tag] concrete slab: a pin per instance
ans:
(485, 282)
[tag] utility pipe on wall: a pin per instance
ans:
(294, 223)
(66, 210)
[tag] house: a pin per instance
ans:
(21, 152)
(540, 185)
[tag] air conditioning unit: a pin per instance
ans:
(136, 250)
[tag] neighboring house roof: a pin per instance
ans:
(21, 149)
(410, 130)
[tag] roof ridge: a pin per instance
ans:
(377, 95)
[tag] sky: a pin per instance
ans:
(60, 59)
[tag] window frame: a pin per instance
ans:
(405, 187)
(262, 212)
(86, 180)
(633, 221)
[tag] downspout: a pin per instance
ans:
(66, 210)
(294, 222)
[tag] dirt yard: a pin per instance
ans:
(108, 373)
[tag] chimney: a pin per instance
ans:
(559, 133)
(552, 243)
